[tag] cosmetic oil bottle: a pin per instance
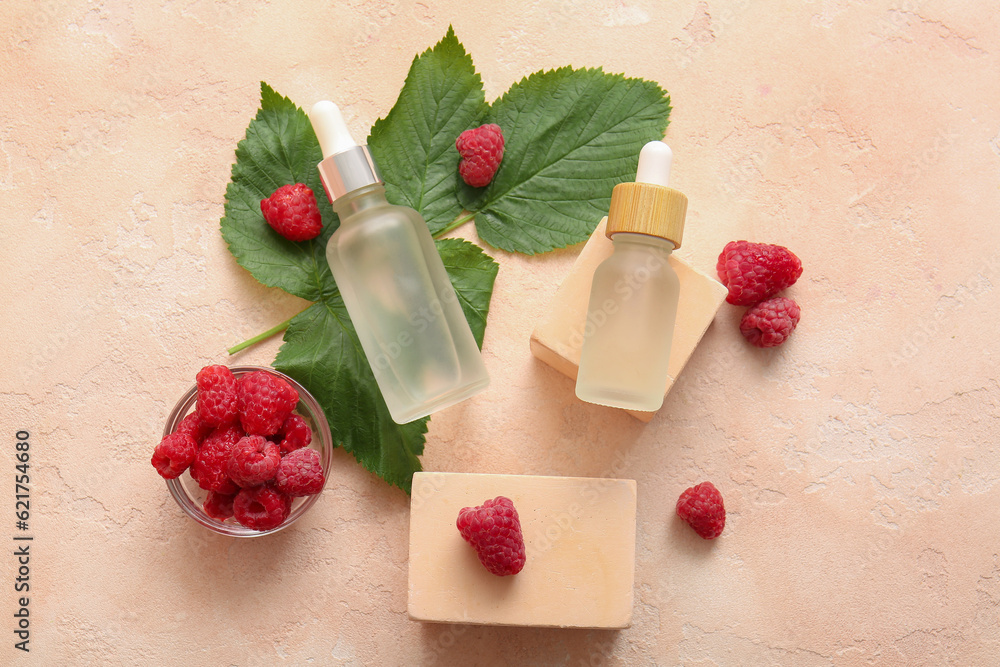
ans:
(633, 298)
(395, 287)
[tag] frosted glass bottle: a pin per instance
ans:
(403, 306)
(625, 358)
(630, 323)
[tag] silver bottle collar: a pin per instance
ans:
(347, 171)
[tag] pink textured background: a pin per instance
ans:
(859, 462)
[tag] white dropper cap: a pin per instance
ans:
(649, 206)
(655, 159)
(346, 166)
(330, 128)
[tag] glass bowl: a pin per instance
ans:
(191, 497)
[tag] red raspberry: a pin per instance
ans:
(770, 322)
(261, 507)
(265, 402)
(756, 271)
(174, 455)
(216, 395)
(300, 473)
(219, 505)
(481, 149)
(291, 210)
(210, 466)
(193, 425)
(701, 506)
(295, 434)
(494, 531)
(253, 461)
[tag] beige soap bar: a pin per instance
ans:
(557, 340)
(579, 540)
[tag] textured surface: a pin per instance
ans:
(859, 462)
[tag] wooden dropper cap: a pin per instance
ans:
(648, 206)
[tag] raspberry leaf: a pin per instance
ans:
(321, 349)
(472, 272)
(570, 136)
(279, 148)
(414, 145)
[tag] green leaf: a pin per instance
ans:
(279, 148)
(414, 145)
(472, 273)
(322, 351)
(570, 136)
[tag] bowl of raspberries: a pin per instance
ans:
(246, 451)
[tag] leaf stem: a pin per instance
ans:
(458, 222)
(261, 336)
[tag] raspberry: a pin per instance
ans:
(300, 473)
(494, 531)
(216, 395)
(756, 271)
(210, 466)
(261, 507)
(193, 425)
(292, 212)
(482, 150)
(174, 455)
(701, 506)
(265, 402)
(219, 505)
(295, 434)
(770, 322)
(252, 461)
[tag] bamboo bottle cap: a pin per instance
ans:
(644, 208)
(648, 206)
